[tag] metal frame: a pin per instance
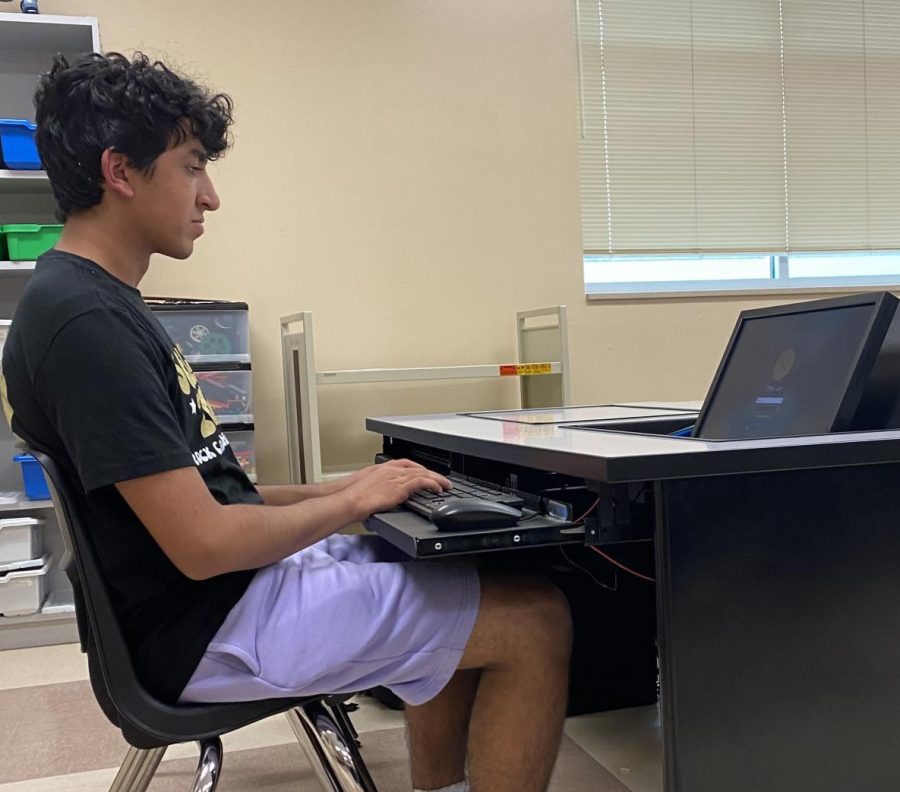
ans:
(322, 728)
(301, 400)
(542, 368)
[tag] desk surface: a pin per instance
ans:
(619, 456)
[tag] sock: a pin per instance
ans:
(460, 786)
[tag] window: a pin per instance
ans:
(739, 144)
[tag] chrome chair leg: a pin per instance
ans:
(331, 751)
(209, 766)
(341, 713)
(137, 770)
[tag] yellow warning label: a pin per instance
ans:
(525, 369)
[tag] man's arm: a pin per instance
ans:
(203, 538)
(286, 494)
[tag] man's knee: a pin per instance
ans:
(520, 617)
(552, 618)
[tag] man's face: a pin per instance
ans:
(170, 202)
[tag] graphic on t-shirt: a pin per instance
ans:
(189, 387)
(7, 407)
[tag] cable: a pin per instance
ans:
(611, 560)
(614, 587)
(591, 508)
(530, 517)
(623, 567)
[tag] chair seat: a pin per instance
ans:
(171, 724)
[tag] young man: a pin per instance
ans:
(225, 591)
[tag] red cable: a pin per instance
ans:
(610, 558)
(623, 567)
(590, 509)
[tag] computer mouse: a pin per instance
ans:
(472, 514)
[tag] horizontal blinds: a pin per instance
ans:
(727, 126)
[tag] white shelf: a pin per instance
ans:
(16, 266)
(24, 181)
(34, 618)
(38, 629)
(24, 175)
(48, 33)
(23, 504)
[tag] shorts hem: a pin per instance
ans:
(422, 692)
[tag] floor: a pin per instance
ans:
(42, 751)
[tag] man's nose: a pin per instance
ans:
(208, 197)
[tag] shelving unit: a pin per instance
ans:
(542, 367)
(214, 338)
(28, 43)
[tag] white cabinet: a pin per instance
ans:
(28, 43)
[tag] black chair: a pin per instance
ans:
(321, 724)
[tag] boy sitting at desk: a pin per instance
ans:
(226, 591)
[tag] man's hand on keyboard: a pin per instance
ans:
(380, 487)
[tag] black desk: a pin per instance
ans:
(778, 591)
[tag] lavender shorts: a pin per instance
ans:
(338, 617)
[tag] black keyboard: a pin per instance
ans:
(424, 502)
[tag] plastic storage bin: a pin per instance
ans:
(17, 143)
(23, 591)
(27, 241)
(244, 447)
(229, 393)
(20, 539)
(206, 331)
(33, 477)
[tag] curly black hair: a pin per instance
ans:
(136, 107)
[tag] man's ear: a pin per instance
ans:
(116, 173)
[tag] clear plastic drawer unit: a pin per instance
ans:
(206, 331)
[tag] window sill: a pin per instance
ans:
(755, 291)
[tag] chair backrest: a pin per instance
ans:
(145, 722)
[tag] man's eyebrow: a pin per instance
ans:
(199, 154)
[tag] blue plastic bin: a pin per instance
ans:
(17, 142)
(33, 476)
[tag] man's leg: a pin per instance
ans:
(438, 733)
(520, 644)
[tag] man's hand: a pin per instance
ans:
(380, 487)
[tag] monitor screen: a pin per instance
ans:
(795, 370)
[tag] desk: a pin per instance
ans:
(778, 591)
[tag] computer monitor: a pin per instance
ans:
(807, 368)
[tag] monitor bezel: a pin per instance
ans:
(884, 307)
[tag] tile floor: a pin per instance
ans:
(625, 742)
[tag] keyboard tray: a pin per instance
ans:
(418, 538)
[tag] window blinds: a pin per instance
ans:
(729, 126)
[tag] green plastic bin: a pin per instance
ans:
(26, 241)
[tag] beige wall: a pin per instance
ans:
(407, 170)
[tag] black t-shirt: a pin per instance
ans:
(93, 381)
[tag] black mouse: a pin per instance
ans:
(468, 514)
